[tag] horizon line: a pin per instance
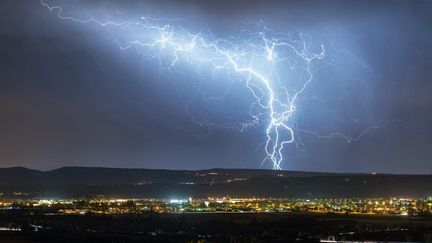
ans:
(215, 168)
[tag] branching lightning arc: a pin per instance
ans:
(255, 56)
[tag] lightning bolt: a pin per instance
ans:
(255, 56)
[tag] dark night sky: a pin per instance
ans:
(70, 97)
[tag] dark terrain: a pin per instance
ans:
(268, 227)
(76, 182)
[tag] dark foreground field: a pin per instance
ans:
(223, 227)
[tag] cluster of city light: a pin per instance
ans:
(259, 57)
(372, 206)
